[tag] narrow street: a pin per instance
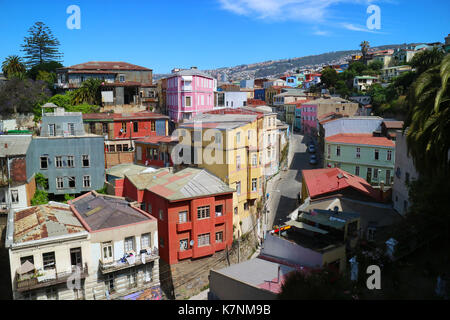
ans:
(285, 190)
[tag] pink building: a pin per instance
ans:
(189, 92)
(308, 117)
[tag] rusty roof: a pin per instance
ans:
(45, 221)
(106, 65)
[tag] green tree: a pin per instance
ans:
(321, 284)
(342, 89)
(13, 65)
(40, 46)
(429, 120)
(376, 65)
(329, 77)
(89, 92)
(426, 59)
(50, 67)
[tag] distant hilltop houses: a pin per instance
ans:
(172, 183)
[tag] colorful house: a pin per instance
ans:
(194, 210)
(155, 151)
(189, 92)
(364, 155)
(260, 94)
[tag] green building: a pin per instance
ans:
(365, 155)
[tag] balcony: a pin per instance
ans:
(45, 278)
(184, 254)
(186, 88)
(184, 226)
(124, 263)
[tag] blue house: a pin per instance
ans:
(292, 81)
(72, 160)
(260, 94)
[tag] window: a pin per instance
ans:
(71, 129)
(184, 244)
(357, 171)
(238, 162)
(51, 293)
(51, 130)
(125, 147)
(249, 132)
(187, 102)
(388, 177)
(86, 181)
(119, 148)
(152, 125)
(49, 260)
(219, 236)
(371, 234)
(15, 196)
(135, 126)
(105, 128)
(27, 258)
(149, 208)
(235, 211)
(91, 127)
(161, 214)
(254, 184)
(203, 212)
(238, 137)
(182, 217)
(375, 173)
(129, 244)
(338, 151)
(109, 283)
(246, 206)
(254, 160)
(59, 183)
(219, 210)
(358, 153)
(132, 278)
(121, 78)
(389, 155)
(44, 162)
(329, 152)
(161, 242)
(377, 154)
(203, 240)
(112, 148)
(70, 161)
(124, 127)
(85, 159)
(71, 182)
(58, 162)
(148, 273)
(238, 188)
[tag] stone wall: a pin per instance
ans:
(188, 278)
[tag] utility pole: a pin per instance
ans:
(239, 246)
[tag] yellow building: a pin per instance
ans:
(228, 149)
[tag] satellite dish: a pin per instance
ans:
(191, 243)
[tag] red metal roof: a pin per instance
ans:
(124, 116)
(157, 139)
(107, 65)
(361, 138)
(323, 181)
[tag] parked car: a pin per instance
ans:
(313, 159)
(311, 148)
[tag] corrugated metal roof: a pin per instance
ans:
(11, 145)
(45, 221)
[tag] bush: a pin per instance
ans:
(40, 197)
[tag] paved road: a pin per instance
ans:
(285, 190)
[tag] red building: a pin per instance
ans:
(155, 151)
(122, 129)
(193, 207)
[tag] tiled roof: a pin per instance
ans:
(107, 65)
(361, 138)
(123, 116)
(323, 181)
(186, 183)
(103, 212)
(45, 221)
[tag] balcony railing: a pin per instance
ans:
(124, 263)
(47, 278)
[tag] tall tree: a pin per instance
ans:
(89, 92)
(364, 49)
(426, 59)
(13, 65)
(429, 120)
(41, 45)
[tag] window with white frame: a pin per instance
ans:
(182, 217)
(70, 161)
(129, 244)
(146, 241)
(238, 162)
(203, 212)
(219, 236)
(238, 137)
(203, 240)
(59, 182)
(238, 188)
(132, 278)
(254, 160)
(85, 160)
(389, 155)
(86, 181)
(58, 162)
(49, 261)
(148, 273)
(71, 129)
(254, 184)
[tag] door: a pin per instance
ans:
(369, 175)
(75, 257)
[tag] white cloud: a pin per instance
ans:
(352, 27)
(309, 10)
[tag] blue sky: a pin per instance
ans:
(209, 34)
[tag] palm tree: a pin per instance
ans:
(89, 92)
(429, 120)
(364, 49)
(13, 65)
(426, 59)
